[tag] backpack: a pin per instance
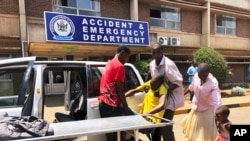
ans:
(12, 127)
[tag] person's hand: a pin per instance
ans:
(171, 88)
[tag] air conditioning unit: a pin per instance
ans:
(162, 40)
(175, 41)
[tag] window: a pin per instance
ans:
(79, 7)
(94, 79)
(247, 70)
(10, 89)
(225, 25)
(167, 17)
(5, 77)
(131, 80)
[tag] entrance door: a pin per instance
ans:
(55, 81)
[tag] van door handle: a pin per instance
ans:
(95, 106)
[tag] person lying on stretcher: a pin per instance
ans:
(155, 98)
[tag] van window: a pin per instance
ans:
(131, 80)
(10, 83)
(94, 81)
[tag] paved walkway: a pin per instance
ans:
(231, 102)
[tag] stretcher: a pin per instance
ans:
(91, 127)
(74, 129)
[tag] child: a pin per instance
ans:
(153, 103)
(222, 123)
(155, 97)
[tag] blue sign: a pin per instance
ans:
(61, 27)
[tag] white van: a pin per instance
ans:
(25, 84)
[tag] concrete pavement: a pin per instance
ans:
(238, 115)
(239, 105)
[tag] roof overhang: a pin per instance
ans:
(79, 49)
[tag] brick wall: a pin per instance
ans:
(243, 28)
(9, 7)
(212, 24)
(35, 8)
(119, 9)
(144, 12)
(191, 21)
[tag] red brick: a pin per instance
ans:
(36, 8)
(119, 9)
(9, 7)
(243, 28)
(191, 21)
(143, 12)
(212, 24)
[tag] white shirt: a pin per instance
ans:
(172, 74)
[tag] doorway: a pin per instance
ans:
(55, 79)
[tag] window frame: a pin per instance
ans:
(59, 8)
(17, 98)
(165, 20)
(225, 27)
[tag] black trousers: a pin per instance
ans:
(108, 111)
(167, 131)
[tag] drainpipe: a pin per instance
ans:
(22, 26)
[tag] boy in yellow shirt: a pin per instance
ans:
(155, 97)
(153, 103)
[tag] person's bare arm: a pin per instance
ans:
(131, 92)
(172, 86)
(160, 106)
(121, 95)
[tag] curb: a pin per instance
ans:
(187, 110)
